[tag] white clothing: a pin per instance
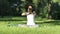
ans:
(30, 19)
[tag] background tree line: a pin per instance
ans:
(44, 8)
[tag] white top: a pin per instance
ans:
(30, 19)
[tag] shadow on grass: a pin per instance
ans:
(12, 18)
(56, 22)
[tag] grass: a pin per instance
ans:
(44, 28)
(12, 18)
(9, 25)
(19, 19)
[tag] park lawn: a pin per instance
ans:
(18, 18)
(44, 28)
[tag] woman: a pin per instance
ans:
(30, 16)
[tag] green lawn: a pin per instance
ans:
(11, 18)
(9, 25)
(45, 27)
(26, 30)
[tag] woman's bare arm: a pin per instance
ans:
(24, 14)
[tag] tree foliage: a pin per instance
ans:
(44, 8)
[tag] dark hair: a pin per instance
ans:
(33, 9)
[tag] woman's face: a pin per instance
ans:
(30, 8)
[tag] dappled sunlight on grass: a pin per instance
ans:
(27, 30)
(45, 26)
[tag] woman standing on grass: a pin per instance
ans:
(30, 16)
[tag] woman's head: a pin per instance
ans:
(30, 8)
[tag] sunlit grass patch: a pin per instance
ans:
(11, 27)
(27, 30)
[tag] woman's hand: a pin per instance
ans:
(23, 14)
(27, 13)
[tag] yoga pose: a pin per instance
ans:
(30, 16)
